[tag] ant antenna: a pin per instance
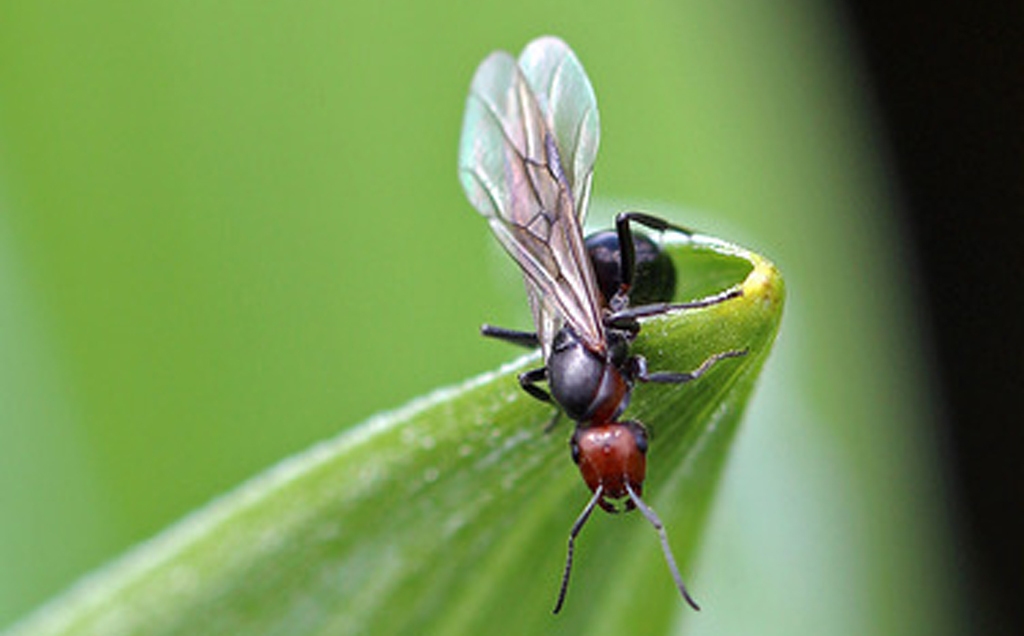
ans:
(576, 527)
(660, 527)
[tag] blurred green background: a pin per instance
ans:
(228, 230)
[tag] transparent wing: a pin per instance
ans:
(511, 170)
(567, 99)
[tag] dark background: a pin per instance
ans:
(948, 82)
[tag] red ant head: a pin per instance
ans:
(612, 455)
(613, 461)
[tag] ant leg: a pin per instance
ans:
(576, 527)
(626, 318)
(628, 251)
(649, 220)
(638, 369)
(526, 339)
(529, 379)
(555, 419)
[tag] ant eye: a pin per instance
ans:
(639, 435)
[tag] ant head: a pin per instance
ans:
(610, 456)
(613, 460)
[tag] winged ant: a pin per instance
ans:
(529, 141)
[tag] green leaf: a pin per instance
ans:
(451, 514)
